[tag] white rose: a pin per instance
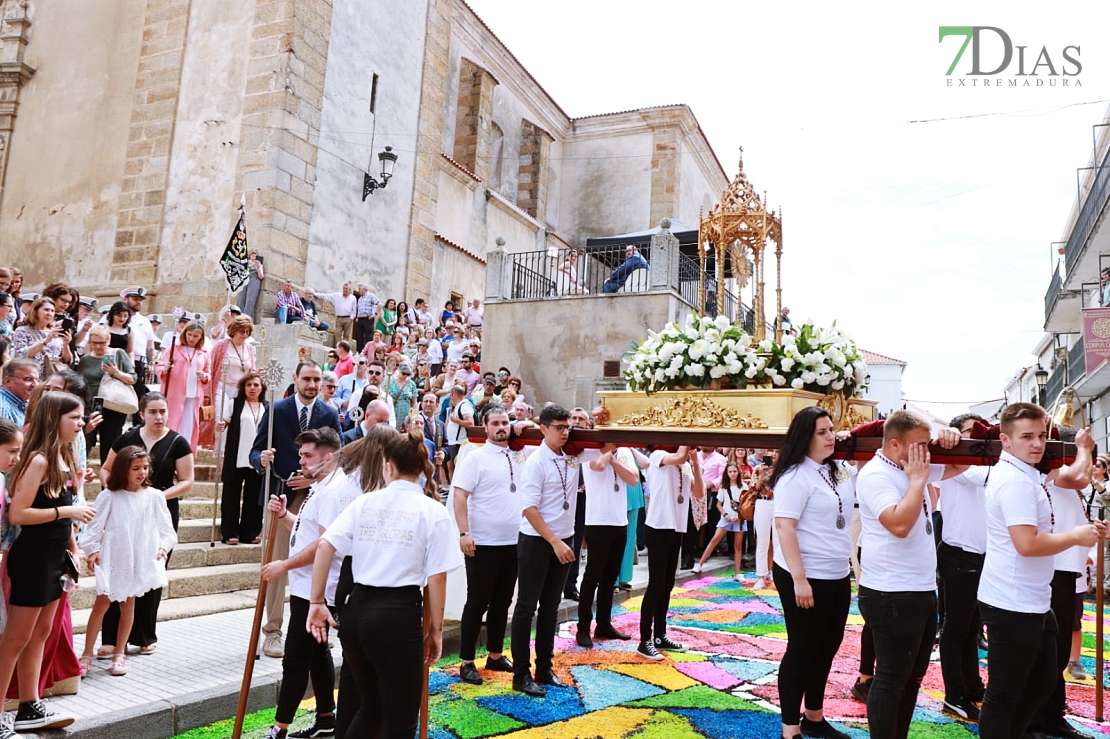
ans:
(751, 372)
(789, 340)
(660, 376)
(721, 322)
(797, 383)
(695, 370)
(807, 377)
(824, 380)
(666, 352)
(731, 357)
(717, 371)
(735, 368)
(765, 345)
(671, 372)
(786, 363)
(838, 385)
(822, 369)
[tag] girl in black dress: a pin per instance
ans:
(43, 489)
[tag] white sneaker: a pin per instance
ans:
(738, 578)
(696, 568)
(759, 584)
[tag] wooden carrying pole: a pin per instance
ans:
(273, 375)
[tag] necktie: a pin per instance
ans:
(429, 429)
(304, 419)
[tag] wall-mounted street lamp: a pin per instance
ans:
(1041, 376)
(387, 159)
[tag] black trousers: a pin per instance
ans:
(691, 545)
(144, 631)
(904, 625)
(866, 640)
(663, 546)
(1063, 607)
(490, 581)
(364, 331)
(304, 658)
(959, 640)
(540, 578)
(603, 566)
(576, 544)
(383, 640)
(240, 513)
(813, 636)
(1021, 669)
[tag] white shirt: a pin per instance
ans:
(964, 498)
(315, 515)
(804, 494)
(1012, 581)
(892, 564)
(668, 483)
(551, 487)
(606, 497)
(396, 536)
(345, 307)
(299, 405)
(248, 428)
(730, 501)
(456, 349)
(435, 352)
(493, 508)
(142, 333)
(1071, 511)
(455, 433)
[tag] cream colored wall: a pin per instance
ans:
(695, 190)
(201, 209)
(558, 346)
(605, 186)
(61, 200)
(456, 272)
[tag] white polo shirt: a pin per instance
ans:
(494, 508)
(606, 497)
(551, 487)
(805, 494)
(318, 512)
(964, 499)
(1071, 510)
(141, 333)
(1010, 580)
(668, 483)
(396, 536)
(892, 564)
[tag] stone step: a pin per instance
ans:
(184, 583)
(200, 490)
(196, 530)
(195, 605)
(202, 554)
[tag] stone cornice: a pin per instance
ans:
(511, 208)
(459, 172)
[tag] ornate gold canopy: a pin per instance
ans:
(740, 226)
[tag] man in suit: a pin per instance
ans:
(434, 429)
(374, 412)
(299, 412)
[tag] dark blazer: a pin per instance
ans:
(286, 429)
(439, 437)
(352, 435)
(231, 436)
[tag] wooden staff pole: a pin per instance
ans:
(1100, 598)
(273, 374)
(427, 669)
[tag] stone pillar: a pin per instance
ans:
(146, 167)
(499, 266)
(664, 173)
(14, 73)
(473, 119)
(535, 165)
(433, 106)
(664, 259)
(282, 108)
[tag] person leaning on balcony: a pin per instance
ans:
(632, 262)
(568, 276)
(1104, 287)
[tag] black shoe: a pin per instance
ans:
(468, 673)
(35, 715)
(961, 709)
(571, 593)
(583, 638)
(550, 678)
(1035, 735)
(501, 664)
(624, 586)
(647, 650)
(821, 728)
(528, 686)
(664, 642)
(1064, 730)
(321, 726)
(861, 689)
(608, 632)
(687, 564)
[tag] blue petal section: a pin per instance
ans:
(603, 688)
(438, 680)
(744, 670)
(559, 705)
(732, 724)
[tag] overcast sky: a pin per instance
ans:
(929, 242)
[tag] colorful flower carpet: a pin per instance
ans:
(724, 687)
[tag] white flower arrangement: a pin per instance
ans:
(703, 350)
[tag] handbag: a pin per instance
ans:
(747, 505)
(118, 396)
(208, 412)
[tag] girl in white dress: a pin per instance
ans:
(126, 544)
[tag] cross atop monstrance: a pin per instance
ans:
(740, 226)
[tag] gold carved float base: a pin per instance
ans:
(760, 410)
